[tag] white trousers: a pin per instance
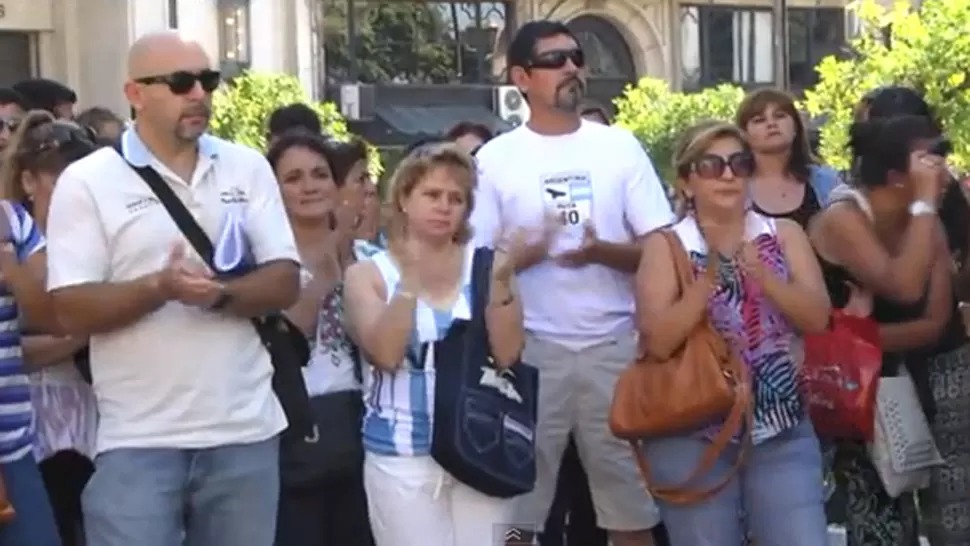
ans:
(413, 501)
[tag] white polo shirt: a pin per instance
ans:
(181, 377)
(598, 173)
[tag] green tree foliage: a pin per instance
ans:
(657, 115)
(395, 41)
(929, 49)
(240, 110)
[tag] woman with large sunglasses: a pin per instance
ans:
(62, 411)
(759, 285)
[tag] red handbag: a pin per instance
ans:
(840, 376)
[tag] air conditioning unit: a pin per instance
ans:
(357, 101)
(510, 105)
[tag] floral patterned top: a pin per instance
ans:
(333, 355)
(753, 326)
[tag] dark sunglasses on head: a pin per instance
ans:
(557, 58)
(183, 81)
(56, 135)
(941, 147)
(713, 166)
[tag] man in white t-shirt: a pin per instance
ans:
(601, 193)
(187, 440)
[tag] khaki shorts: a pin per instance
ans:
(575, 391)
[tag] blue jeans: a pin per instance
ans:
(779, 490)
(34, 524)
(223, 496)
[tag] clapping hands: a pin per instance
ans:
(527, 247)
(584, 254)
(187, 281)
(345, 221)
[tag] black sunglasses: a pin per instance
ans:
(712, 166)
(183, 81)
(54, 135)
(9, 123)
(557, 58)
(941, 147)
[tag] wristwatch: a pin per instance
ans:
(921, 208)
(223, 301)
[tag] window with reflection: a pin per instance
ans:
(726, 44)
(813, 34)
(401, 41)
(721, 44)
(234, 37)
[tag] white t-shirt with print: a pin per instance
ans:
(599, 174)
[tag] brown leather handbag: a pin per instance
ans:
(702, 383)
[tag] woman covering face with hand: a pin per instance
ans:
(882, 240)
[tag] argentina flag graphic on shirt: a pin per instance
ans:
(233, 254)
(400, 404)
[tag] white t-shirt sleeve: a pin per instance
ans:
(646, 207)
(77, 250)
(485, 218)
(267, 226)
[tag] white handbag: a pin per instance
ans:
(902, 450)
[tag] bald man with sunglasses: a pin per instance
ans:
(188, 449)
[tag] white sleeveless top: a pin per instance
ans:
(400, 404)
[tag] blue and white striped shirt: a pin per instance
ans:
(400, 404)
(16, 411)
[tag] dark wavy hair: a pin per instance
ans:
(469, 128)
(293, 116)
(297, 138)
(882, 145)
(343, 155)
(897, 100)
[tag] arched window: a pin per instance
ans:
(607, 54)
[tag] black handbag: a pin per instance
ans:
(82, 362)
(334, 450)
(484, 418)
(287, 346)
